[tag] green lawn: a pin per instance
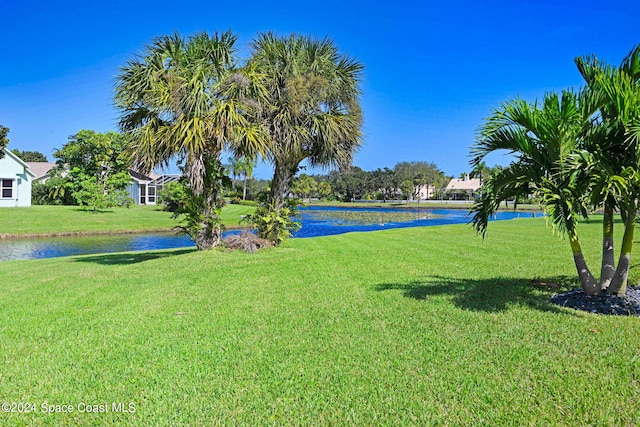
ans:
(72, 219)
(423, 326)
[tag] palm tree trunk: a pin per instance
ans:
(244, 189)
(608, 259)
(619, 281)
(209, 234)
(587, 281)
(282, 177)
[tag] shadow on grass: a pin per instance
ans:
(97, 211)
(131, 257)
(490, 295)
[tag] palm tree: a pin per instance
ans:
(544, 140)
(481, 171)
(612, 157)
(310, 106)
(234, 169)
(183, 99)
(246, 171)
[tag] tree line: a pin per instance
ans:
(405, 181)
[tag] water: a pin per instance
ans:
(316, 221)
(323, 225)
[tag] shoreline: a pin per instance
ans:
(10, 236)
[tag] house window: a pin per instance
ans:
(6, 188)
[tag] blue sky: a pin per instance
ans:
(433, 69)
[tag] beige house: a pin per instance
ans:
(426, 192)
(41, 170)
(463, 189)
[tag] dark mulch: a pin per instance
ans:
(628, 305)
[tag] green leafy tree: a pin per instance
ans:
(91, 163)
(183, 98)
(350, 185)
(310, 106)
(4, 140)
(386, 182)
(420, 173)
(304, 185)
(172, 195)
(30, 156)
(324, 189)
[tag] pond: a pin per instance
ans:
(316, 221)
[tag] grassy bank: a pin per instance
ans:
(425, 326)
(72, 219)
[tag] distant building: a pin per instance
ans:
(15, 181)
(426, 192)
(463, 189)
(41, 170)
(144, 188)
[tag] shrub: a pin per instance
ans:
(172, 196)
(275, 225)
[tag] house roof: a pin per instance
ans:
(40, 169)
(472, 184)
(9, 153)
(139, 177)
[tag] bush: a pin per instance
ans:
(39, 194)
(273, 225)
(172, 196)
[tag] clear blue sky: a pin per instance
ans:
(433, 69)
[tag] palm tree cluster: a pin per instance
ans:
(295, 98)
(578, 152)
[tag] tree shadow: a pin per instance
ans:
(97, 211)
(125, 258)
(489, 295)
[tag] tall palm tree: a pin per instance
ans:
(184, 99)
(613, 155)
(310, 106)
(246, 172)
(544, 140)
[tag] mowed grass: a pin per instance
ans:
(72, 219)
(423, 326)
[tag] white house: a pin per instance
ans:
(15, 181)
(463, 189)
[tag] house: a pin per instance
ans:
(144, 189)
(463, 189)
(15, 181)
(41, 170)
(426, 191)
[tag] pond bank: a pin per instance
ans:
(9, 236)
